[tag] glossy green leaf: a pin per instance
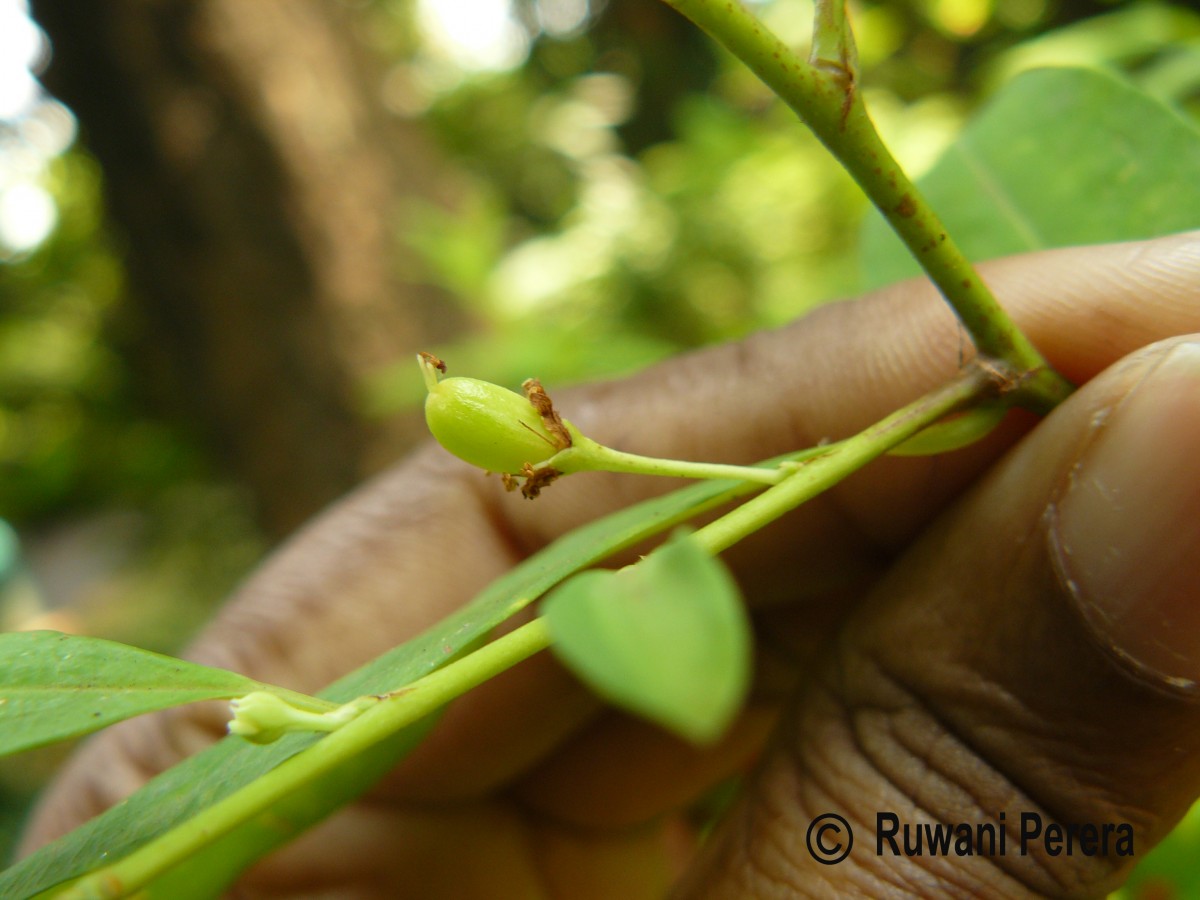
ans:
(953, 433)
(666, 638)
(56, 686)
(1058, 157)
(202, 780)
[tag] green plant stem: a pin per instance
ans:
(591, 456)
(393, 712)
(825, 470)
(824, 93)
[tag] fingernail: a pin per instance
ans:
(1127, 529)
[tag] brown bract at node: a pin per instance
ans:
(545, 408)
(1004, 380)
(433, 361)
(535, 480)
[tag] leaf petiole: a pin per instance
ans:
(589, 456)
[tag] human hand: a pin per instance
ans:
(1008, 628)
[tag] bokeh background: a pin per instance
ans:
(226, 227)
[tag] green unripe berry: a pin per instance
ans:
(486, 425)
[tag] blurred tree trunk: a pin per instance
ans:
(255, 179)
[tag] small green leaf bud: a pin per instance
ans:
(262, 717)
(486, 425)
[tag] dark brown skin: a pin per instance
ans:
(1013, 627)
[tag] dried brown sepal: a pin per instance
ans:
(433, 361)
(536, 479)
(1004, 380)
(545, 408)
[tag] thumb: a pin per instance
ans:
(1031, 663)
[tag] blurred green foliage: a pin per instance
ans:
(582, 251)
(81, 435)
(1171, 871)
(72, 433)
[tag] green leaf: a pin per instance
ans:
(56, 686)
(1058, 157)
(666, 638)
(202, 780)
(954, 432)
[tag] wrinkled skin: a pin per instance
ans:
(1011, 627)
